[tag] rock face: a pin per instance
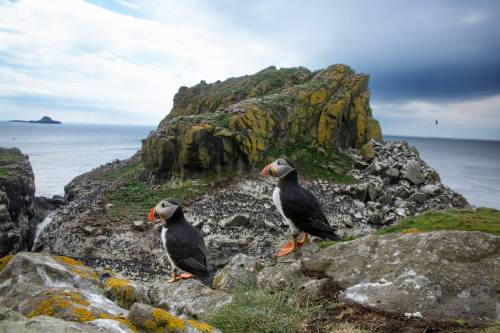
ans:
(17, 195)
(84, 300)
(439, 274)
(228, 126)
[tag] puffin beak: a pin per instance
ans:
(267, 171)
(152, 213)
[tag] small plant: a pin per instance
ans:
(328, 243)
(481, 219)
(257, 310)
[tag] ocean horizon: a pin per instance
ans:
(58, 153)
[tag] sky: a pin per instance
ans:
(122, 61)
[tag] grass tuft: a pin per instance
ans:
(482, 219)
(323, 244)
(257, 310)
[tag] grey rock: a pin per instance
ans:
(188, 297)
(240, 271)
(143, 317)
(234, 221)
(367, 151)
(418, 197)
(414, 172)
(139, 225)
(392, 174)
(440, 274)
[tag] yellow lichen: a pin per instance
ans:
(5, 260)
(121, 290)
(126, 322)
(83, 314)
(77, 267)
(202, 327)
(162, 319)
(318, 96)
(411, 231)
(56, 302)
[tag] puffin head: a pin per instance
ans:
(165, 209)
(279, 168)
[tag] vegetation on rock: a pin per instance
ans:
(231, 125)
(482, 219)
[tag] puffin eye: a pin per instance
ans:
(163, 205)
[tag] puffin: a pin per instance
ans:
(300, 209)
(185, 247)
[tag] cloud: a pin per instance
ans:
(122, 61)
(474, 18)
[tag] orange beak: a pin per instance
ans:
(151, 214)
(265, 171)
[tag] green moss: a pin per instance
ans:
(493, 328)
(324, 244)
(257, 310)
(481, 219)
(331, 165)
(134, 198)
(8, 160)
(276, 102)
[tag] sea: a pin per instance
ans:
(58, 153)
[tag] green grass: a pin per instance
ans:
(327, 243)
(259, 311)
(129, 171)
(276, 102)
(313, 164)
(7, 158)
(482, 219)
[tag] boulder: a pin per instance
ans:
(440, 274)
(242, 270)
(367, 151)
(413, 173)
(14, 321)
(17, 197)
(188, 297)
(148, 319)
(392, 174)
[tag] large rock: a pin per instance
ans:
(17, 195)
(13, 321)
(188, 297)
(440, 274)
(228, 126)
(414, 172)
(242, 270)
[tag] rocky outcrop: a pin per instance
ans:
(230, 126)
(438, 274)
(82, 298)
(17, 195)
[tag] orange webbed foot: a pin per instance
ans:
(288, 248)
(186, 276)
(174, 278)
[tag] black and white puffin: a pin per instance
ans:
(299, 208)
(184, 244)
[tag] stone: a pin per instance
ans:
(413, 173)
(13, 321)
(281, 276)
(88, 229)
(371, 192)
(235, 221)
(241, 271)
(431, 189)
(418, 197)
(445, 274)
(367, 151)
(392, 174)
(319, 289)
(139, 225)
(148, 319)
(188, 297)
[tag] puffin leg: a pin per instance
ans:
(185, 276)
(288, 247)
(174, 277)
(301, 242)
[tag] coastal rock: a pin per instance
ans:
(228, 126)
(240, 271)
(17, 196)
(439, 274)
(14, 321)
(367, 151)
(414, 173)
(188, 297)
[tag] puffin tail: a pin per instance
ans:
(329, 234)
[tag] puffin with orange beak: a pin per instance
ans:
(300, 209)
(184, 244)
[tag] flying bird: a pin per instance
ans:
(300, 209)
(185, 247)
(437, 122)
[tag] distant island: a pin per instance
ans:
(43, 120)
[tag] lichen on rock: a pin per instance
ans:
(227, 126)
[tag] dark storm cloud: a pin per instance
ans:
(411, 49)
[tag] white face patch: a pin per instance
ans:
(166, 209)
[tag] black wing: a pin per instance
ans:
(190, 256)
(304, 210)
